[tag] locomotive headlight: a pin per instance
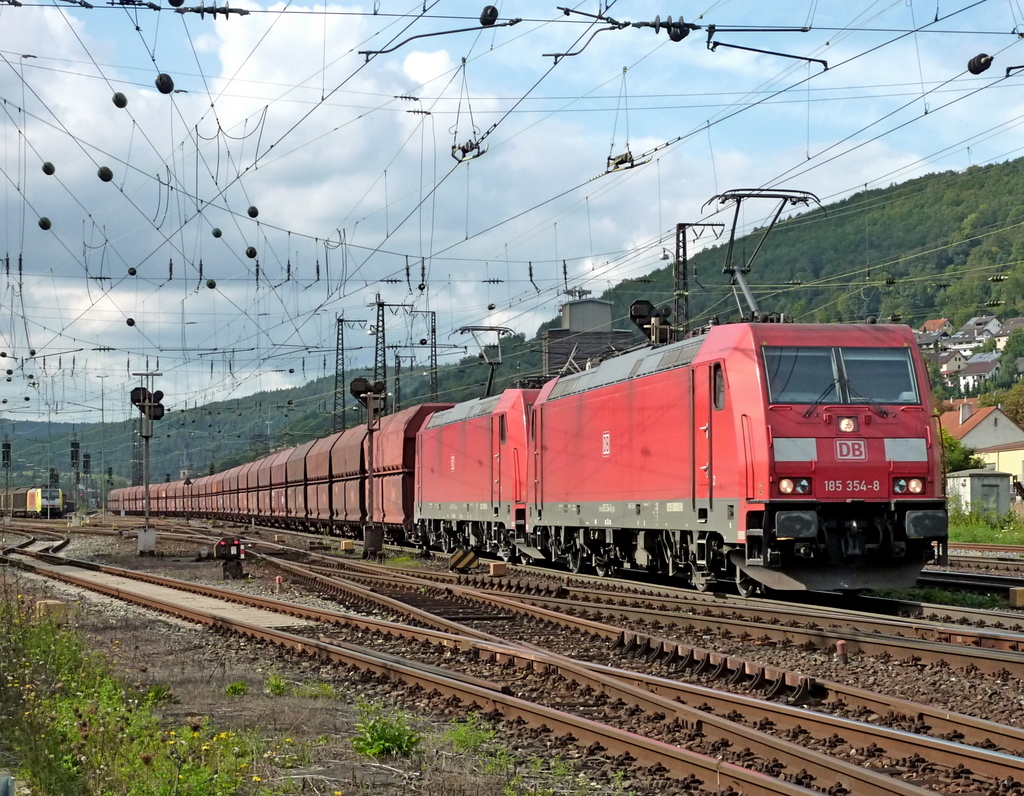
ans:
(847, 424)
(916, 486)
(801, 486)
(899, 486)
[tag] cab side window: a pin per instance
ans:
(718, 380)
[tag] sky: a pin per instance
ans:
(311, 161)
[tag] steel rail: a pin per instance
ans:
(990, 659)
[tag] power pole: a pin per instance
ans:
(339, 379)
(380, 362)
(681, 280)
(433, 350)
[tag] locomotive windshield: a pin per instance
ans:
(835, 375)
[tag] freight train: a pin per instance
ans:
(32, 501)
(786, 456)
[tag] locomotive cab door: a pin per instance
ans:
(498, 432)
(702, 434)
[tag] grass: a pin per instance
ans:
(977, 527)
(72, 728)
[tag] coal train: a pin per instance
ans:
(787, 456)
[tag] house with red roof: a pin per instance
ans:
(937, 326)
(980, 427)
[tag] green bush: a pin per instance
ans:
(237, 688)
(276, 685)
(383, 733)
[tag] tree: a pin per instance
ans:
(958, 456)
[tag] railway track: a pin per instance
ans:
(788, 720)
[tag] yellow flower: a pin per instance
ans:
(256, 779)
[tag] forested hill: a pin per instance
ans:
(945, 245)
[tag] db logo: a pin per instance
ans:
(606, 444)
(851, 449)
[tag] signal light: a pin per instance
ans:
(86, 464)
(7, 454)
(148, 402)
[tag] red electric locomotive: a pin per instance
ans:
(471, 474)
(781, 455)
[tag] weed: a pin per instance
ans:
(316, 691)
(237, 688)
(276, 685)
(469, 735)
(383, 733)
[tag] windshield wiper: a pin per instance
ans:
(854, 393)
(820, 399)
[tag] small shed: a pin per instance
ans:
(980, 490)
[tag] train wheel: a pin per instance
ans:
(447, 541)
(746, 585)
(603, 566)
(575, 558)
(701, 580)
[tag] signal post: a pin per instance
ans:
(372, 396)
(147, 402)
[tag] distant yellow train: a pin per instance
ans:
(32, 501)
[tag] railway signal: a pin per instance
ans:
(148, 402)
(7, 454)
(372, 396)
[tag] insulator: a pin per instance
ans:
(120, 100)
(44, 223)
(997, 278)
(979, 64)
(164, 83)
(49, 169)
(679, 31)
(132, 272)
(492, 306)
(895, 318)
(890, 280)
(253, 211)
(872, 319)
(210, 283)
(216, 232)
(105, 174)
(488, 16)
(130, 321)
(423, 341)
(250, 252)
